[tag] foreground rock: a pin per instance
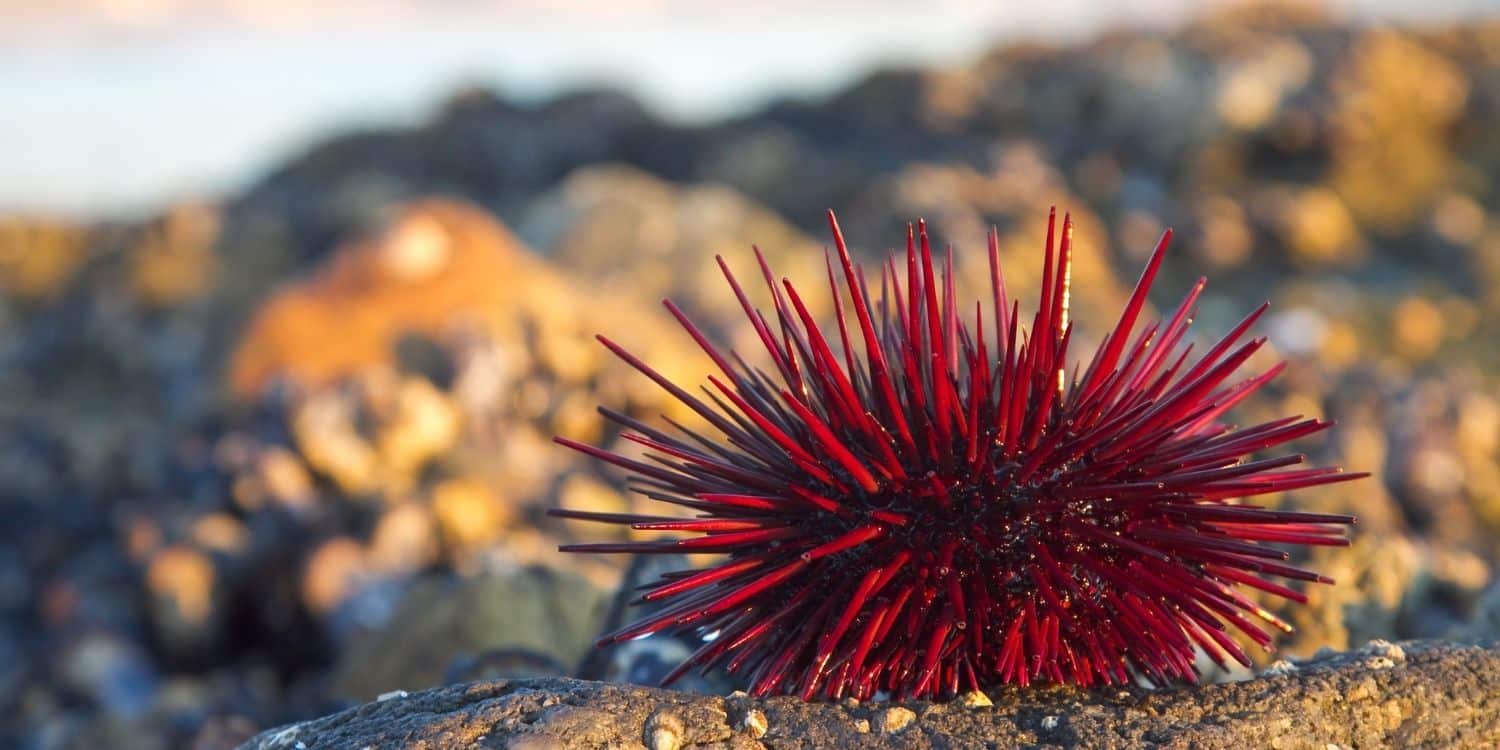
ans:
(1409, 695)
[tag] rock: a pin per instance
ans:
(405, 539)
(324, 429)
(1397, 97)
(434, 263)
(184, 613)
(443, 624)
(334, 573)
(112, 672)
(424, 425)
(175, 261)
(38, 258)
(894, 719)
(756, 723)
(1014, 193)
(975, 699)
(638, 236)
(468, 514)
(441, 342)
(1439, 695)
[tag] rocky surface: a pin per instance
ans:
(1411, 695)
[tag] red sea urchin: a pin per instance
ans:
(936, 515)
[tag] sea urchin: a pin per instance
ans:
(933, 512)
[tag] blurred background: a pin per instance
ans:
(292, 297)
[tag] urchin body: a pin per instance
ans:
(911, 505)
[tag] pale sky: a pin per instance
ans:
(117, 106)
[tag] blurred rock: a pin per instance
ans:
(635, 236)
(112, 672)
(1398, 101)
(405, 539)
(536, 609)
(335, 572)
(1318, 230)
(176, 260)
(39, 258)
(423, 426)
(186, 611)
(469, 516)
(1386, 588)
(436, 263)
(223, 733)
(961, 205)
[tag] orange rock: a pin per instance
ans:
(334, 572)
(449, 271)
(38, 258)
(405, 539)
(1417, 328)
(469, 514)
(221, 532)
(185, 577)
(438, 263)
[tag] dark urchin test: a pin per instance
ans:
(921, 507)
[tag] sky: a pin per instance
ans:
(116, 107)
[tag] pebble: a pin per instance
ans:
(1382, 648)
(664, 730)
(333, 572)
(895, 719)
(755, 723)
(114, 672)
(975, 699)
(182, 578)
(1280, 667)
